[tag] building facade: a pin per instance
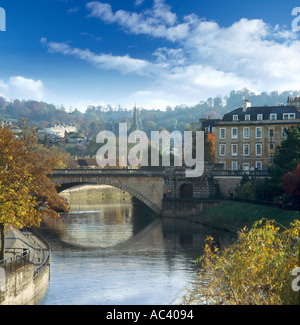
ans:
(246, 138)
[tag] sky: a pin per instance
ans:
(148, 53)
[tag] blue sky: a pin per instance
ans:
(151, 53)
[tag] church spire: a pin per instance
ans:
(135, 124)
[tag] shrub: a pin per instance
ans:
(256, 270)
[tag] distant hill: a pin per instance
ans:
(97, 118)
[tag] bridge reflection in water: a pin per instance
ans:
(104, 217)
(115, 251)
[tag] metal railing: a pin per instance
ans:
(41, 267)
(258, 173)
(46, 255)
(19, 259)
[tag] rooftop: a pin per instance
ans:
(265, 112)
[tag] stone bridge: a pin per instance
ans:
(167, 192)
(149, 186)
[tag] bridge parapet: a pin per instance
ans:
(118, 172)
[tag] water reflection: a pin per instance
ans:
(115, 252)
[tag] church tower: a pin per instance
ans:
(135, 123)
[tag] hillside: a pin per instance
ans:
(96, 118)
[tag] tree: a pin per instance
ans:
(286, 159)
(256, 270)
(24, 185)
(209, 147)
(287, 155)
(291, 184)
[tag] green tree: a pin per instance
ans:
(286, 159)
(287, 155)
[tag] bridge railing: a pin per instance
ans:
(259, 173)
(152, 173)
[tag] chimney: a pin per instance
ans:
(294, 102)
(246, 105)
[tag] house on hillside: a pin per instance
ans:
(59, 129)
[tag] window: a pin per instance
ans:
(246, 149)
(234, 149)
(222, 149)
(234, 165)
(246, 133)
(222, 133)
(271, 133)
(247, 117)
(258, 132)
(235, 118)
(234, 133)
(258, 149)
(259, 117)
(289, 116)
(258, 165)
(273, 116)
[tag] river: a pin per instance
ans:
(111, 251)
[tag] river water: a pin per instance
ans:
(111, 251)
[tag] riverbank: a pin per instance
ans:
(28, 283)
(233, 216)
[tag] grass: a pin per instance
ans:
(233, 216)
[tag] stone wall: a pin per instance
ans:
(203, 187)
(186, 208)
(227, 185)
(21, 288)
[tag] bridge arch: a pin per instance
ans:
(65, 184)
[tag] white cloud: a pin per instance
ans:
(138, 2)
(22, 88)
(248, 51)
(124, 64)
(158, 21)
(205, 59)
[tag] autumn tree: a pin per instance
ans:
(209, 147)
(291, 184)
(256, 270)
(24, 184)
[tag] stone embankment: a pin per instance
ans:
(26, 283)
